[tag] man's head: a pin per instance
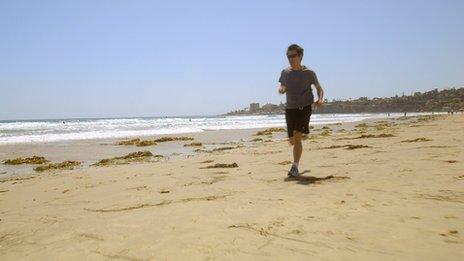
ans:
(294, 54)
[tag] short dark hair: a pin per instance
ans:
(295, 47)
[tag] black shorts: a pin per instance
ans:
(298, 120)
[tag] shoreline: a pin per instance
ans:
(120, 134)
(88, 151)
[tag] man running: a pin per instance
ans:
(296, 82)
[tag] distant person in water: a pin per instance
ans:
(296, 82)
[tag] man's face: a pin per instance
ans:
(293, 57)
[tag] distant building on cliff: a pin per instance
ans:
(254, 107)
(269, 108)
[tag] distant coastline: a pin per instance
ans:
(447, 100)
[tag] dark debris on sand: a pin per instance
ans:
(29, 160)
(367, 136)
(69, 164)
(422, 139)
(269, 131)
(221, 165)
(347, 146)
(131, 157)
(143, 143)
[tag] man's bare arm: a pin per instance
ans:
(282, 89)
(320, 94)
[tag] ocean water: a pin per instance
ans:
(40, 131)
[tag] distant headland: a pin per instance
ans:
(447, 100)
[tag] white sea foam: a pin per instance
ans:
(12, 132)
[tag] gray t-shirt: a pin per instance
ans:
(298, 86)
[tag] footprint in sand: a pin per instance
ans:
(452, 236)
(138, 188)
(161, 203)
(285, 162)
(445, 195)
(91, 236)
(299, 232)
(214, 180)
(271, 231)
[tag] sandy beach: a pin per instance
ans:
(382, 190)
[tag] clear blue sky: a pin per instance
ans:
(62, 59)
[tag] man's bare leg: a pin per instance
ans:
(297, 146)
